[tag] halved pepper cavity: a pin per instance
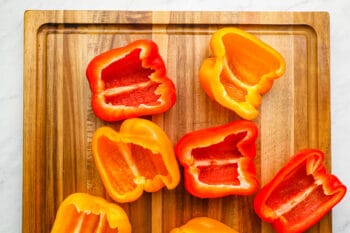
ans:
(139, 157)
(300, 194)
(203, 225)
(218, 161)
(130, 81)
(84, 213)
(242, 69)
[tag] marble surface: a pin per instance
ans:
(11, 89)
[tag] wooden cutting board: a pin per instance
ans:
(59, 122)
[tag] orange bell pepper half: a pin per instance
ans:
(242, 69)
(203, 225)
(130, 81)
(300, 194)
(218, 161)
(84, 213)
(138, 157)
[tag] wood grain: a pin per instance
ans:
(59, 122)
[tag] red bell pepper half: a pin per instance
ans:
(130, 81)
(218, 161)
(300, 194)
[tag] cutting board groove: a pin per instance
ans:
(59, 122)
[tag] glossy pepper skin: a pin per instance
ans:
(300, 194)
(218, 161)
(84, 213)
(130, 81)
(139, 157)
(241, 69)
(203, 225)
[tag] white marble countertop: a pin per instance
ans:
(11, 89)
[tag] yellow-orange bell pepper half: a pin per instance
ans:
(139, 157)
(242, 69)
(203, 225)
(84, 213)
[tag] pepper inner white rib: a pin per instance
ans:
(126, 89)
(297, 199)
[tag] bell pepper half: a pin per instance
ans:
(138, 157)
(218, 161)
(300, 194)
(203, 225)
(130, 81)
(84, 213)
(242, 69)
